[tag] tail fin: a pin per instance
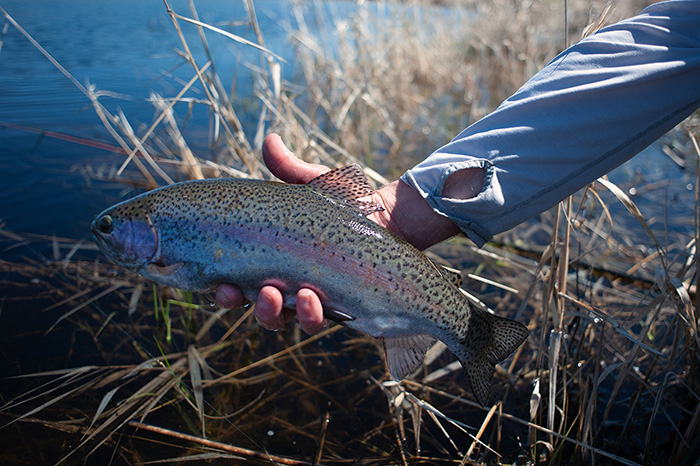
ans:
(489, 339)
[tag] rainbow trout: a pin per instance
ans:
(197, 234)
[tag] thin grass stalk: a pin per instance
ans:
(130, 409)
(538, 427)
(322, 437)
(658, 398)
(253, 18)
(99, 108)
(566, 24)
(196, 379)
(605, 218)
(235, 134)
(272, 357)
(202, 36)
(131, 135)
(478, 435)
(106, 292)
(3, 33)
(564, 262)
(551, 309)
(535, 404)
(158, 120)
(634, 210)
(620, 379)
(690, 435)
(190, 163)
(71, 376)
(592, 403)
(697, 223)
(218, 445)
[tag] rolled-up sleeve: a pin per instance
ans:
(593, 107)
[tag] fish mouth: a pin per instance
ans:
(119, 240)
(98, 235)
(102, 244)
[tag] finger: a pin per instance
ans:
(229, 296)
(310, 311)
(285, 165)
(268, 308)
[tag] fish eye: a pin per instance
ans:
(105, 224)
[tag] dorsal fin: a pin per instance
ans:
(348, 184)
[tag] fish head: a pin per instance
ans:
(126, 235)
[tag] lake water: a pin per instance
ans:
(127, 49)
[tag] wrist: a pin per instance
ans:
(410, 216)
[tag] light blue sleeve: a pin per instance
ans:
(593, 107)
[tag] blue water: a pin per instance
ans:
(126, 48)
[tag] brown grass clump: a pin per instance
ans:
(609, 375)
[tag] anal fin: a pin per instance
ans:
(404, 354)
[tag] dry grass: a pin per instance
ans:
(609, 375)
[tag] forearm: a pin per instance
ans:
(593, 107)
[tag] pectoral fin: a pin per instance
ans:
(404, 354)
(336, 315)
(159, 270)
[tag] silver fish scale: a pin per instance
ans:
(190, 212)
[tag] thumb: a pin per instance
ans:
(285, 165)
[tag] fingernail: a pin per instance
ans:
(304, 297)
(264, 299)
(223, 297)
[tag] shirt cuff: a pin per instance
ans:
(432, 180)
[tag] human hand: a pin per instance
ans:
(269, 310)
(405, 213)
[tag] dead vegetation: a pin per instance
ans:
(141, 374)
